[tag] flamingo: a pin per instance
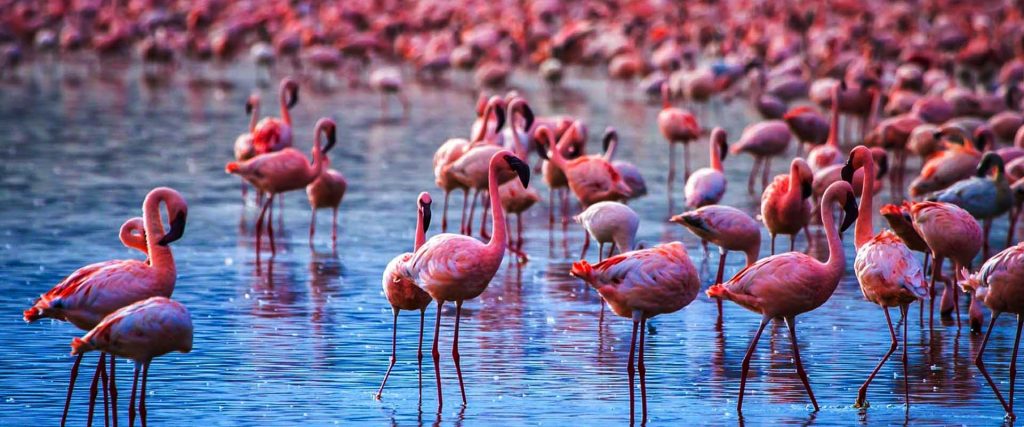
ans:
(952, 233)
(244, 149)
(825, 177)
(984, 197)
(92, 292)
(630, 173)
(454, 267)
(609, 222)
(789, 284)
(808, 125)
(141, 332)
(707, 185)
(388, 81)
(133, 235)
(678, 127)
(401, 290)
(591, 178)
(888, 273)
(326, 191)
(828, 154)
(784, 205)
(997, 284)
(516, 199)
(271, 133)
(282, 171)
(948, 166)
(640, 285)
(763, 141)
(727, 227)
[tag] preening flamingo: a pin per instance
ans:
(998, 285)
(789, 284)
(727, 227)
(403, 293)
(609, 222)
(888, 273)
(784, 205)
(678, 127)
(763, 140)
(591, 178)
(952, 233)
(454, 267)
(707, 185)
(326, 191)
(985, 195)
(141, 332)
(630, 173)
(92, 292)
(553, 176)
(271, 133)
(282, 171)
(640, 285)
(133, 235)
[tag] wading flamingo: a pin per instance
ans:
(285, 170)
(763, 140)
(591, 178)
(829, 153)
(630, 173)
(141, 332)
(946, 167)
(727, 227)
(271, 133)
(454, 267)
(244, 150)
(402, 292)
(784, 205)
(786, 285)
(678, 127)
(388, 81)
(326, 191)
(707, 185)
(985, 196)
(951, 233)
(640, 285)
(609, 222)
(471, 169)
(516, 199)
(888, 273)
(92, 292)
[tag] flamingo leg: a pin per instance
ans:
(718, 279)
(746, 362)
(259, 226)
(273, 247)
(565, 207)
(142, 394)
(455, 350)
(773, 243)
(419, 351)
(71, 388)
(988, 229)
(551, 207)
(394, 347)
(956, 293)
(105, 381)
(334, 227)
(642, 370)
(1015, 211)
(131, 400)
(863, 391)
(312, 226)
(94, 389)
(444, 214)
(465, 203)
(792, 242)
(671, 172)
(904, 309)
(686, 161)
(483, 217)
(586, 245)
(753, 174)
(1013, 360)
(631, 368)
(766, 170)
(472, 208)
(980, 363)
(437, 355)
(791, 322)
(920, 307)
(519, 231)
(113, 391)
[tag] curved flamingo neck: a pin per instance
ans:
(131, 240)
(499, 234)
(836, 259)
(833, 124)
(254, 117)
(864, 230)
(285, 115)
(665, 104)
(613, 145)
(420, 232)
(482, 131)
(319, 159)
(716, 156)
(556, 153)
(794, 182)
(160, 256)
(876, 101)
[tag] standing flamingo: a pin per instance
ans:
(273, 134)
(591, 178)
(403, 293)
(829, 153)
(789, 284)
(784, 205)
(997, 284)
(141, 332)
(888, 272)
(454, 267)
(640, 285)
(707, 185)
(952, 233)
(763, 141)
(388, 81)
(326, 191)
(92, 292)
(244, 149)
(609, 222)
(471, 169)
(984, 196)
(678, 127)
(285, 170)
(630, 173)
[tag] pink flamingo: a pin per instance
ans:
(141, 332)
(942, 169)
(640, 285)
(763, 141)
(326, 191)
(953, 233)
(92, 292)
(285, 170)
(133, 235)
(401, 290)
(784, 205)
(244, 149)
(707, 185)
(273, 134)
(727, 227)
(808, 125)
(591, 178)
(997, 284)
(516, 199)
(786, 285)
(678, 127)
(454, 267)
(829, 153)
(888, 272)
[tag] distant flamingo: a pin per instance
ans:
(786, 285)
(808, 125)
(763, 140)
(388, 81)
(784, 205)
(326, 191)
(888, 272)
(958, 161)
(707, 185)
(282, 171)
(273, 134)
(640, 285)
(554, 177)
(244, 149)
(141, 332)
(678, 127)
(454, 267)
(471, 169)
(401, 290)
(829, 153)
(727, 227)
(952, 233)
(92, 292)
(997, 284)
(591, 178)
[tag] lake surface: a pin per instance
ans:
(307, 340)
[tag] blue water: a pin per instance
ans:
(308, 340)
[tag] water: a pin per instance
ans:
(309, 339)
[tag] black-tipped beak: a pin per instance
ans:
(499, 113)
(542, 149)
(842, 85)
(847, 172)
(248, 107)
(528, 117)
(609, 135)
(294, 98)
(177, 229)
(850, 209)
(723, 149)
(806, 190)
(883, 167)
(332, 138)
(425, 206)
(522, 169)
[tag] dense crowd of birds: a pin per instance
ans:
(856, 85)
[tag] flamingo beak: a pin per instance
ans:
(847, 171)
(850, 210)
(883, 167)
(294, 98)
(248, 107)
(528, 116)
(806, 189)
(177, 229)
(499, 113)
(522, 169)
(723, 149)
(425, 207)
(332, 138)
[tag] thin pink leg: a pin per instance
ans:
(334, 227)
(259, 226)
(419, 351)
(394, 348)
(718, 279)
(444, 215)
(312, 225)
(863, 391)
(980, 363)
(71, 388)
(131, 400)
(113, 391)
(791, 322)
(642, 370)
(142, 398)
(465, 204)
(94, 390)
(437, 355)
(455, 351)
(631, 368)
(273, 247)
(472, 208)
(671, 175)
(746, 362)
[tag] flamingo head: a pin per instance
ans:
(989, 161)
(424, 207)
(251, 103)
(718, 136)
(610, 134)
(231, 167)
(180, 213)
(290, 87)
(521, 168)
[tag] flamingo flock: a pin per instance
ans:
(858, 86)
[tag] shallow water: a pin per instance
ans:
(309, 339)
